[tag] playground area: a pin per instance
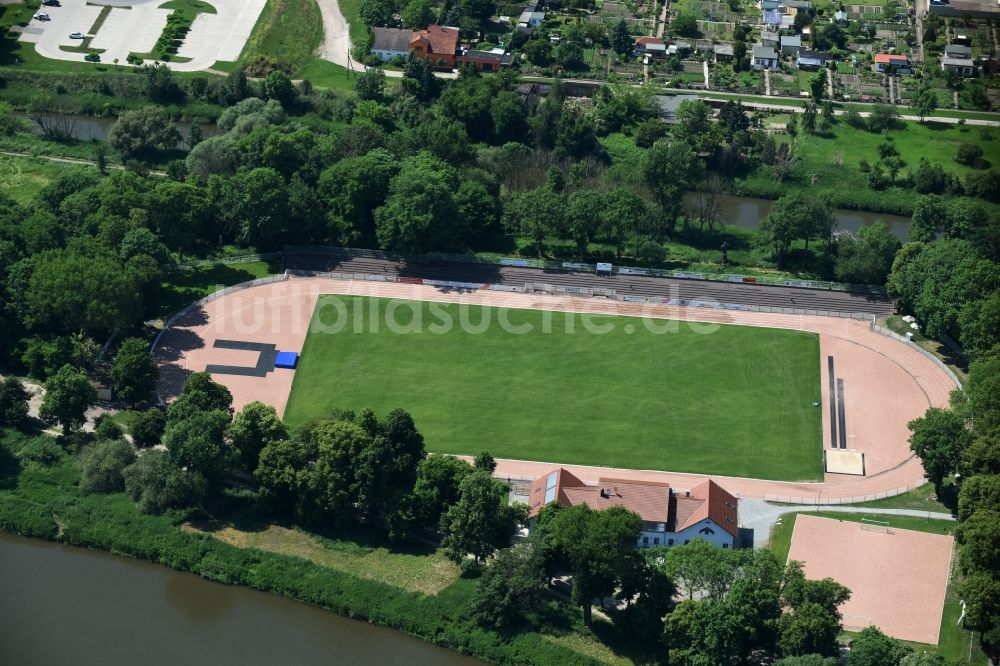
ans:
(898, 578)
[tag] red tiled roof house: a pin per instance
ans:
(437, 44)
(669, 518)
(901, 62)
(651, 46)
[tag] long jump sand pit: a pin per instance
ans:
(897, 579)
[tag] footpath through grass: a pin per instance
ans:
(21, 178)
(954, 644)
(594, 389)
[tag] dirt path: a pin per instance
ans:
(336, 46)
(74, 160)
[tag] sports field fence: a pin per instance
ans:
(882, 330)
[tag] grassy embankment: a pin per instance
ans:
(954, 644)
(958, 364)
(924, 498)
(415, 591)
(588, 389)
(286, 37)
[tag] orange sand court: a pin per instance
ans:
(897, 581)
(888, 383)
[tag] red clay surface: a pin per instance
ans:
(887, 383)
(891, 586)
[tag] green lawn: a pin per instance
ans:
(829, 164)
(325, 74)
(734, 401)
(924, 498)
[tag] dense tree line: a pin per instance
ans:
(965, 440)
(951, 285)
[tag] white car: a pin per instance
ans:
(42, 16)
(77, 35)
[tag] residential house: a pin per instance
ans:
(485, 61)
(667, 105)
(769, 5)
(791, 45)
(956, 50)
(437, 44)
(899, 62)
(389, 43)
(793, 7)
(958, 57)
(771, 17)
(650, 46)
(770, 38)
(840, 17)
(723, 52)
(530, 18)
(669, 517)
(811, 60)
(765, 57)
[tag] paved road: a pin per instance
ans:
(760, 516)
(721, 292)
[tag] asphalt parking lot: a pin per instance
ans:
(135, 25)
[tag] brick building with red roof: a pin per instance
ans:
(437, 44)
(669, 518)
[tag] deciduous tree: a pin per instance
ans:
(102, 466)
(253, 428)
(134, 371)
(68, 394)
(481, 521)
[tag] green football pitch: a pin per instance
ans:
(734, 401)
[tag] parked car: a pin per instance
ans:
(52, 3)
(92, 57)
(77, 35)
(42, 16)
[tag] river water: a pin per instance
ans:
(61, 605)
(95, 128)
(748, 212)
